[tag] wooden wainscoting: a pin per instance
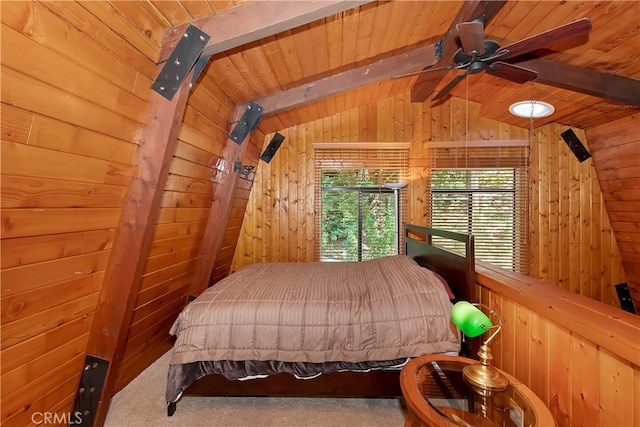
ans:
(580, 356)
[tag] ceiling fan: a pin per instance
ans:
(479, 54)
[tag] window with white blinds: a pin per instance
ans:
(358, 217)
(484, 191)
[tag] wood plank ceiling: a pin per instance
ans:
(379, 30)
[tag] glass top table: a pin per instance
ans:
(437, 394)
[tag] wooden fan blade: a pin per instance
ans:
(578, 28)
(472, 37)
(511, 72)
(449, 87)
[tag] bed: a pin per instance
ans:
(322, 329)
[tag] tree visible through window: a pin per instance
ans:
(358, 219)
(482, 202)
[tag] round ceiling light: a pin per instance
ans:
(531, 109)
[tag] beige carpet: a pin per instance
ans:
(141, 403)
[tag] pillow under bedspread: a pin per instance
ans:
(382, 309)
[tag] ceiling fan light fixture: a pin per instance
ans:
(531, 109)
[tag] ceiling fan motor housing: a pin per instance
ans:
(473, 63)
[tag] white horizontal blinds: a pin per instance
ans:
(484, 191)
(350, 178)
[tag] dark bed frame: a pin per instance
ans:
(459, 271)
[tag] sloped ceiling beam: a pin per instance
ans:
(253, 21)
(471, 9)
(348, 80)
(133, 239)
(582, 80)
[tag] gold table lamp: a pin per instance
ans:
(474, 322)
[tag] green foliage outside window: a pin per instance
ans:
(482, 202)
(358, 216)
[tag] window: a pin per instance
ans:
(358, 217)
(487, 198)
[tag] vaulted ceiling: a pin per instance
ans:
(366, 34)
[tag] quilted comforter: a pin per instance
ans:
(382, 309)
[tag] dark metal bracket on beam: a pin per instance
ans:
(247, 123)
(438, 47)
(197, 69)
(180, 62)
(91, 383)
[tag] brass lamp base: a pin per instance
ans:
(485, 377)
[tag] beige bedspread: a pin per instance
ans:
(382, 309)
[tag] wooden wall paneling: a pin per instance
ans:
(45, 392)
(25, 374)
(509, 350)
(220, 211)
(560, 370)
(99, 32)
(304, 192)
(21, 222)
(542, 173)
(25, 192)
(564, 239)
(573, 190)
(591, 379)
(35, 276)
(23, 159)
(56, 402)
(60, 217)
(614, 148)
(119, 23)
(29, 250)
(554, 204)
(541, 350)
(153, 291)
(30, 94)
(584, 388)
(54, 32)
(133, 366)
(36, 324)
(52, 134)
(30, 349)
(26, 303)
(586, 261)
(165, 274)
(53, 69)
(616, 397)
(175, 257)
(522, 343)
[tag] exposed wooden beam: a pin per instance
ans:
(471, 9)
(253, 21)
(220, 211)
(135, 234)
(348, 80)
(590, 82)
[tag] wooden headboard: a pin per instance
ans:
(458, 270)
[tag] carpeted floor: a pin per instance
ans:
(141, 403)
